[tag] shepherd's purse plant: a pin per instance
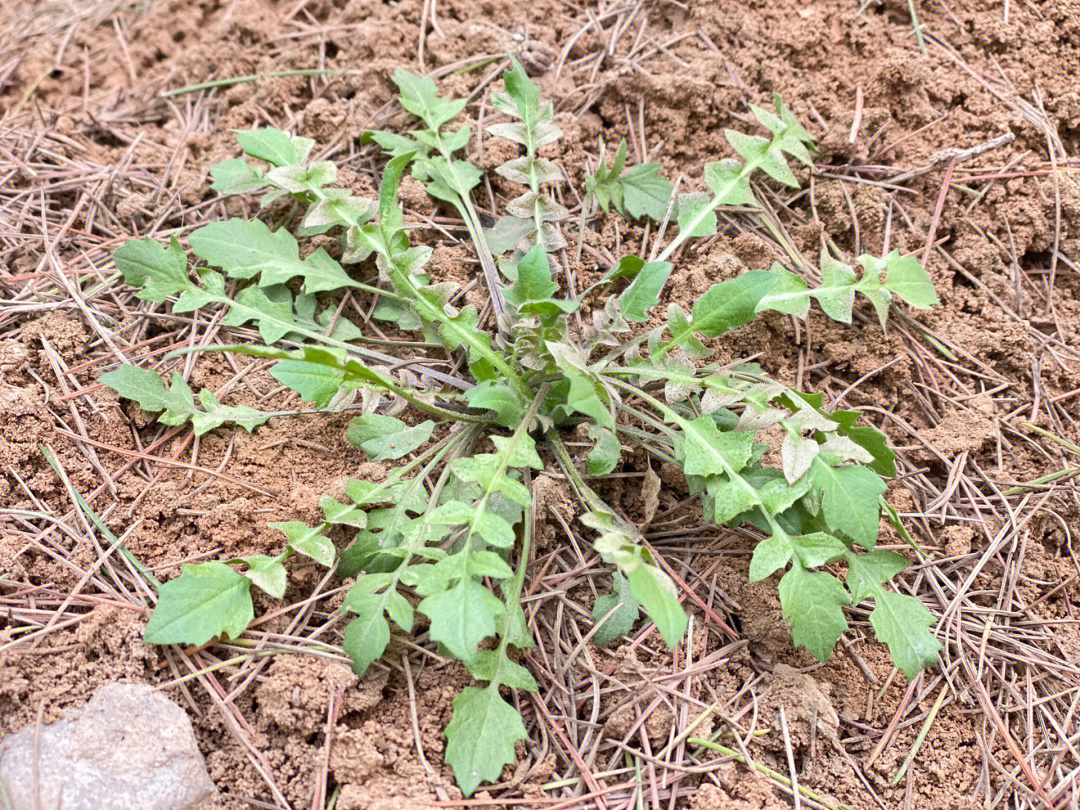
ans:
(448, 532)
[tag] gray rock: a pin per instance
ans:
(131, 748)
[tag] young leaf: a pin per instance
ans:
(206, 600)
(385, 438)
(638, 192)
(622, 620)
(907, 279)
(268, 573)
(480, 736)
(214, 414)
(248, 248)
(723, 307)
(811, 603)
(304, 539)
(145, 387)
(644, 291)
(849, 499)
(367, 635)
(159, 272)
(274, 146)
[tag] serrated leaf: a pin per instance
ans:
(534, 280)
(645, 192)
(726, 305)
(158, 271)
(500, 398)
(526, 97)
(448, 180)
(604, 456)
(394, 144)
(626, 267)
(790, 294)
(480, 737)
(638, 192)
(817, 548)
(518, 451)
(493, 665)
(525, 170)
(367, 635)
(421, 97)
(399, 609)
(488, 564)
(506, 233)
(462, 616)
(797, 453)
(206, 600)
(871, 285)
(385, 437)
(622, 620)
(484, 470)
(682, 334)
(315, 382)
(214, 414)
(387, 309)
(728, 498)
(849, 500)
(712, 452)
(903, 623)
(342, 513)
(836, 295)
(875, 443)
(812, 604)
(868, 572)
(726, 180)
(145, 387)
(766, 155)
(246, 248)
(273, 316)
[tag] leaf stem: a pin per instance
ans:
(716, 202)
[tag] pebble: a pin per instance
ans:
(131, 748)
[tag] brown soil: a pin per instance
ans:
(92, 154)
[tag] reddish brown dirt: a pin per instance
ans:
(79, 99)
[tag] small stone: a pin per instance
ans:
(131, 748)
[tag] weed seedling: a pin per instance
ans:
(448, 532)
